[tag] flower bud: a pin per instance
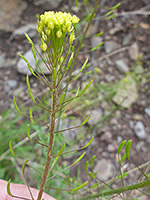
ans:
(59, 34)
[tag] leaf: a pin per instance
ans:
(92, 161)
(116, 6)
(29, 39)
(99, 34)
(70, 61)
(29, 66)
(34, 54)
(86, 87)
(24, 58)
(88, 17)
(94, 185)
(122, 158)
(79, 158)
(8, 188)
(11, 149)
(128, 148)
(91, 140)
(84, 65)
(86, 165)
(112, 16)
(121, 145)
(62, 98)
(121, 176)
(15, 104)
(76, 2)
(85, 120)
(92, 175)
(81, 186)
(31, 116)
(85, 1)
(95, 48)
(31, 96)
(109, 13)
(28, 132)
(24, 164)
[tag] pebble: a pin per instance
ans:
(127, 39)
(10, 12)
(107, 136)
(9, 85)
(105, 169)
(134, 51)
(2, 60)
(30, 29)
(110, 46)
(121, 66)
(147, 111)
(95, 116)
(52, 4)
(139, 130)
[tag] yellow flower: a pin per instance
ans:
(75, 19)
(71, 38)
(44, 47)
(59, 34)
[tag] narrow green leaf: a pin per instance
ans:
(91, 140)
(121, 176)
(79, 158)
(112, 16)
(24, 164)
(99, 45)
(99, 34)
(121, 145)
(31, 96)
(81, 186)
(85, 120)
(28, 132)
(29, 39)
(76, 2)
(128, 148)
(27, 81)
(84, 65)
(62, 98)
(70, 61)
(109, 13)
(34, 54)
(24, 58)
(92, 161)
(86, 87)
(31, 116)
(94, 185)
(92, 175)
(87, 73)
(122, 158)
(8, 188)
(116, 6)
(58, 155)
(86, 165)
(15, 104)
(54, 74)
(29, 66)
(88, 17)
(11, 149)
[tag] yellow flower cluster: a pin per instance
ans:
(56, 24)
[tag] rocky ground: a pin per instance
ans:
(125, 38)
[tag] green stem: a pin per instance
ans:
(143, 184)
(48, 160)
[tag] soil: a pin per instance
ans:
(120, 126)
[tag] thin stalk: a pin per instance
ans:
(48, 160)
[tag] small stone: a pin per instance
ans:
(111, 148)
(126, 92)
(95, 116)
(2, 60)
(109, 77)
(127, 39)
(121, 66)
(107, 136)
(147, 111)
(118, 27)
(9, 85)
(134, 51)
(105, 169)
(30, 29)
(95, 41)
(110, 46)
(139, 130)
(52, 4)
